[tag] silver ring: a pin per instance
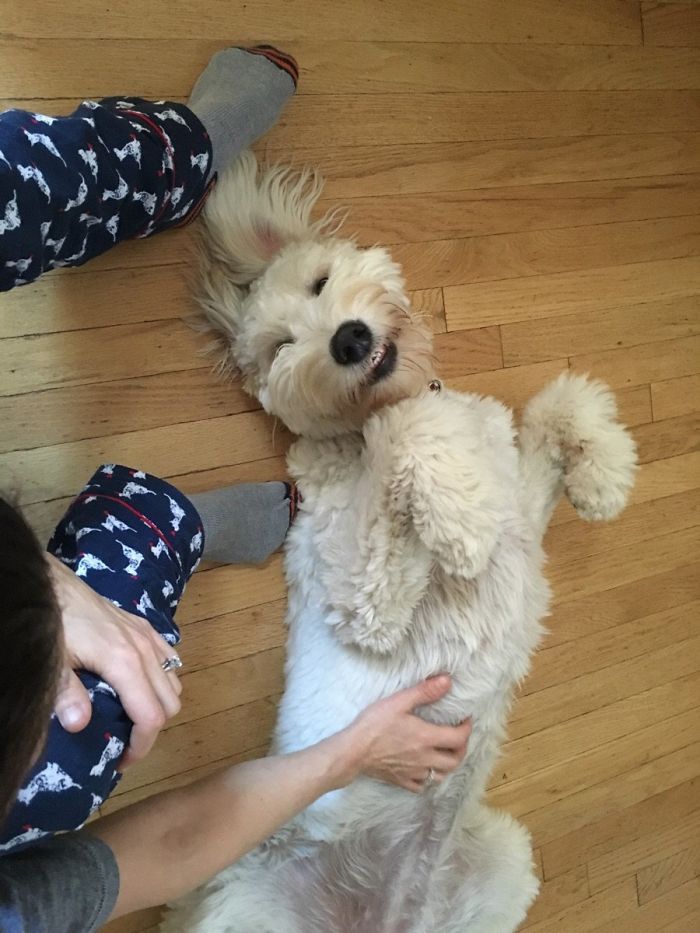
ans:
(171, 664)
(429, 779)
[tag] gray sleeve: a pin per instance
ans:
(68, 884)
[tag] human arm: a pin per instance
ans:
(167, 845)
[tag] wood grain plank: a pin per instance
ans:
(676, 397)
(49, 472)
(594, 763)
(645, 853)
(670, 24)
(605, 609)
(585, 692)
(585, 915)
(371, 171)
(552, 749)
(512, 386)
(565, 662)
(494, 266)
(230, 588)
(580, 22)
(658, 361)
(558, 895)
(619, 827)
(658, 914)
(418, 218)
(399, 118)
(228, 684)
(634, 405)
(57, 416)
(578, 540)
(38, 66)
(95, 299)
(101, 354)
(602, 323)
(669, 438)
(233, 635)
(613, 567)
(468, 351)
(667, 477)
(224, 685)
(576, 811)
(668, 873)
(688, 923)
(535, 296)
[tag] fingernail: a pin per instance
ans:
(440, 679)
(71, 715)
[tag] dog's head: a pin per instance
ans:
(321, 330)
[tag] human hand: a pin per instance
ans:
(394, 745)
(119, 647)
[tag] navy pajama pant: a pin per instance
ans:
(135, 540)
(72, 187)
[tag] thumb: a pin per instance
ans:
(428, 691)
(73, 707)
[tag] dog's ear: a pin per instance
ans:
(251, 215)
(220, 302)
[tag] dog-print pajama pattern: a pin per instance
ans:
(71, 188)
(136, 540)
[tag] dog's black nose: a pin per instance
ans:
(351, 343)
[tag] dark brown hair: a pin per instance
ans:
(30, 650)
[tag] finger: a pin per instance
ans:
(164, 684)
(140, 701)
(430, 690)
(164, 651)
(444, 763)
(150, 642)
(451, 737)
(73, 707)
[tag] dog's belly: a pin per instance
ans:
(377, 880)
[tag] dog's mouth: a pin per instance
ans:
(382, 362)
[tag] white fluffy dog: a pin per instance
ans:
(417, 550)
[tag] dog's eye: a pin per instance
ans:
(283, 343)
(319, 285)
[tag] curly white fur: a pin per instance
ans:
(417, 550)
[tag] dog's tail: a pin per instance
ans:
(571, 442)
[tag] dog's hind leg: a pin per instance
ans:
(486, 881)
(571, 442)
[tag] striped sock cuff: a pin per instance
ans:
(283, 60)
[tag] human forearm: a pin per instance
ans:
(169, 844)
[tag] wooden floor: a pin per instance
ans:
(535, 165)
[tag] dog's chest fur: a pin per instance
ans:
(481, 631)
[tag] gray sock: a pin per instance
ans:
(240, 95)
(244, 524)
